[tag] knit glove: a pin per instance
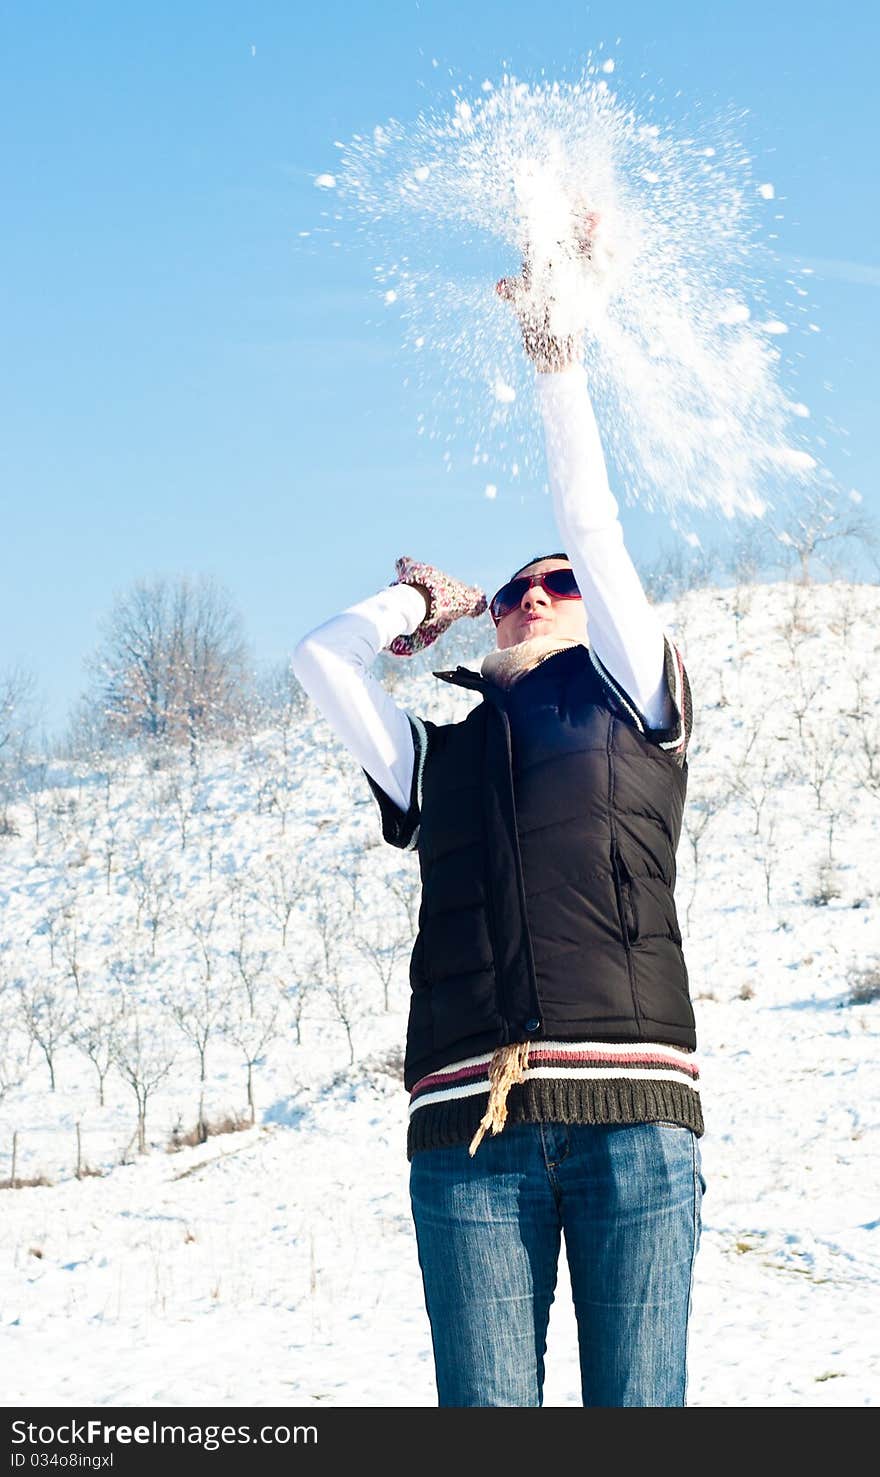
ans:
(449, 599)
(532, 295)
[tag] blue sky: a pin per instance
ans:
(187, 388)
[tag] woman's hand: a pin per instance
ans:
(533, 302)
(446, 600)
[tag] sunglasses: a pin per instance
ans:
(560, 583)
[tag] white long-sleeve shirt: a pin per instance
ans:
(333, 661)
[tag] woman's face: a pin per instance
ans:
(539, 614)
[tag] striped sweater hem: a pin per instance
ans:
(566, 1082)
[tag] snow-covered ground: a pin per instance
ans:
(277, 1264)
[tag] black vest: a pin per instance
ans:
(547, 839)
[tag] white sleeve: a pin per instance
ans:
(624, 632)
(333, 664)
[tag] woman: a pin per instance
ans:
(550, 1042)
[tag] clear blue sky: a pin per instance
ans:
(185, 389)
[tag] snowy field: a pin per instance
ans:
(247, 904)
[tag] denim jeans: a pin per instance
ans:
(488, 1231)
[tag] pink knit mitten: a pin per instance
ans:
(450, 599)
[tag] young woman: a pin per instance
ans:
(549, 1058)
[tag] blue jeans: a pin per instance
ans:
(488, 1231)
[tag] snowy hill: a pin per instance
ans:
(171, 936)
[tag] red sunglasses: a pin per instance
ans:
(560, 583)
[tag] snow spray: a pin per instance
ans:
(679, 344)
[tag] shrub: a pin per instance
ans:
(388, 1063)
(188, 1138)
(863, 982)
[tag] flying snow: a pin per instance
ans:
(643, 242)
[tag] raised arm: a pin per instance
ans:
(333, 664)
(624, 631)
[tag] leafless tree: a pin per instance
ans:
(74, 824)
(34, 777)
(282, 703)
(822, 751)
(768, 851)
(180, 798)
(17, 696)
(706, 800)
(382, 945)
(286, 883)
(250, 961)
(48, 1015)
(94, 1035)
(13, 1065)
(199, 1010)
(298, 984)
(70, 939)
(154, 896)
(757, 772)
(820, 522)
(330, 924)
(253, 1024)
(143, 1057)
(13, 1050)
(350, 872)
(110, 847)
(845, 614)
(407, 888)
(49, 928)
(173, 666)
(867, 736)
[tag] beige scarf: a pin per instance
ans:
(506, 667)
(510, 1063)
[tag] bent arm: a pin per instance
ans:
(624, 632)
(333, 665)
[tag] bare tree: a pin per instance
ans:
(768, 850)
(407, 888)
(180, 799)
(70, 938)
(94, 1035)
(819, 523)
(350, 871)
(705, 802)
(330, 923)
(33, 785)
(48, 1016)
(172, 666)
(143, 1058)
(110, 847)
(298, 985)
(154, 896)
(286, 884)
(199, 1011)
(867, 743)
(251, 962)
(822, 752)
(282, 703)
(13, 1066)
(253, 1024)
(13, 1052)
(17, 692)
(383, 946)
